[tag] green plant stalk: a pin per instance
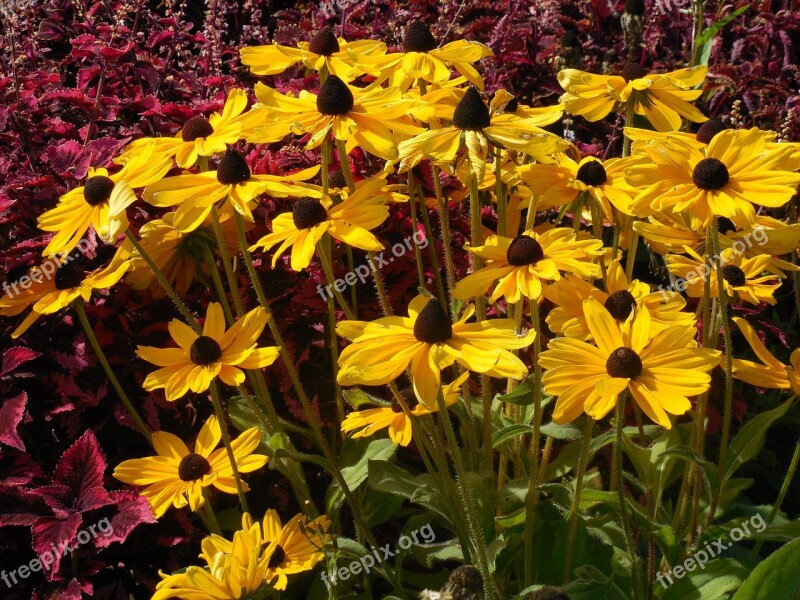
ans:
(380, 287)
(327, 267)
(226, 263)
(162, 280)
(626, 151)
(344, 161)
(226, 441)
(216, 279)
(207, 514)
(444, 218)
(415, 226)
(623, 507)
(426, 221)
(576, 498)
(532, 496)
(476, 238)
(473, 524)
(500, 194)
(77, 306)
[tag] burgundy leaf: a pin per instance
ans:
(57, 497)
(134, 510)
(81, 469)
(10, 416)
(14, 357)
(53, 537)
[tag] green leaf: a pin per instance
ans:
(750, 439)
(714, 582)
(357, 457)
(509, 433)
(522, 394)
(704, 42)
(567, 431)
(777, 578)
(358, 398)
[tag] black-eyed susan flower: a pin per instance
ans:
(426, 342)
(662, 98)
(49, 292)
(522, 266)
(101, 201)
(474, 128)
(200, 136)
(742, 277)
(771, 373)
(177, 254)
(176, 477)
(233, 570)
(299, 545)
(216, 352)
(558, 184)
(660, 371)
(620, 299)
(324, 50)
(726, 178)
(369, 118)
(422, 58)
(232, 182)
(348, 221)
(392, 418)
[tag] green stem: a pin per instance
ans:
(444, 219)
(623, 506)
(226, 441)
(162, 280)
(415, 226)
(216, 279)
(209, 516)
(327, 267)
(77, 306)
(500, 193)
(233, 284)
(423, 210)
(576, 498)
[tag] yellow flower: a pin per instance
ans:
(196, 194)
(51, 290)
(369, 118)
(620, 299)
(772, 373)
(324, 50)
(101, 201)
(348, 221)
(299, 545)
(662, 98)
(200, 136)
(559, 184)
(216, 352)
(177, 254)
(660, 372)
(725, 178)
(474, 127)
(741, 276)
(421, 58)
(426, 342)
(176, 477)
(366, 422)
(524, 265)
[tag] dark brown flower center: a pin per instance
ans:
(418, 38)
(278, 556)
(196, 127)
(232, 168)
(336, 179)
(592, 173)
(724, 225)
(97, 190)
(624, 362)
(205, 351)
(324, 43)
(710, 174)
(471, 112)
(334, 97)
(193, 467)
(465, 582)
(308, 212)
(524, 250)
(734, 275)
(433, 324)
(632, 71)
(620, 304)
(408, 397)
(634, 7)
(68, 276)
(709, 129)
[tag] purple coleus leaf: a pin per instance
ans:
(11, 414)
(52, 539)
(80, 470)
(14, 357)
(134, 510)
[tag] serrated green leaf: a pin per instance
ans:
(777, 578)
